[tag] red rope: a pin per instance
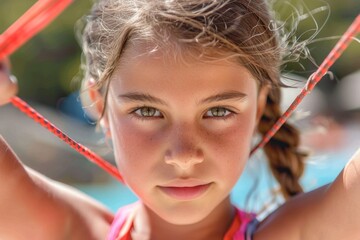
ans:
(33, 21)
(30, 112)
(335, 53)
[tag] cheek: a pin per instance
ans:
(133, 149)
(229, 149)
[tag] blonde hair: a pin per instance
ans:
(242, 29)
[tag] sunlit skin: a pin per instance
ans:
(183, 138)
(330, 212)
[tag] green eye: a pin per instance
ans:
(219, 113)
(146, 113)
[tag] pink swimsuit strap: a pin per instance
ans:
(122, 224)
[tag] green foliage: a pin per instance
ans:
(46, 65)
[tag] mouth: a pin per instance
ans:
(185, 193)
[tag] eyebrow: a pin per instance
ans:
(229, 95)
(145, 97)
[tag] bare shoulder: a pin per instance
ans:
(287, 222)
(330, 212)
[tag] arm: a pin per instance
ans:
(338, 211)
(87, 216)
(33, 205)
(331, 212)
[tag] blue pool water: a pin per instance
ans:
(321, 169)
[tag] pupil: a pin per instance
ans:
(147, 112)
(218, 111)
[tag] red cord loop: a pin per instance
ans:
(335, 53)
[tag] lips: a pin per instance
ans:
(185, 190)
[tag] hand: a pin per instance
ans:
(8, 84)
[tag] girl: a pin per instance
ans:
(181, 88)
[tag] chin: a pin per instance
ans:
(185, 213)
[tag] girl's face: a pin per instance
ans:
(181, 131)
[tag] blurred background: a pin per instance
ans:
(47, 68)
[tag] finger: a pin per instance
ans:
(6, 63)
(8, 83)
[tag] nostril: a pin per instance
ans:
(184, 161)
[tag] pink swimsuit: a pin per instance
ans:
(241, 228)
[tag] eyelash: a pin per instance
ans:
(133, 114)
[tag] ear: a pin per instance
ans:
(262, 100)
(94, 104)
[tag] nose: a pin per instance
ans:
(184, 150)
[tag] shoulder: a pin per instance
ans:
(294, 219)
(330, 212)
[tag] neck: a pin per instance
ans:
(148, 225)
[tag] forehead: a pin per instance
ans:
(176, 52)
(179, 84)
(177, 55)
(188, 79)
(149, 59)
